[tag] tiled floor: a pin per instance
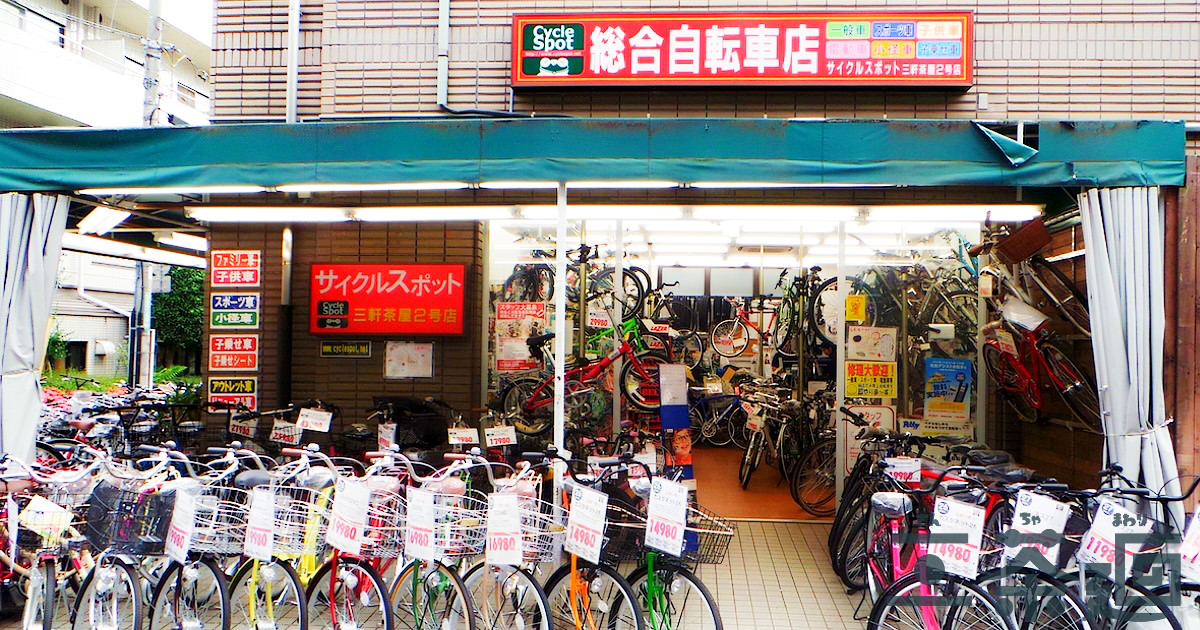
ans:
(777, 577)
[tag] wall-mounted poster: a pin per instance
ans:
(871, 343)
(515, 323)
(947, 395)
(408, 359)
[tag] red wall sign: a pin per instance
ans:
(387, 299)
(233, 353)
(235, 268)
(743, 49)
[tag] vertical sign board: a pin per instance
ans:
(234, 310)
(234, 390)
(233, 353)
(235, 268)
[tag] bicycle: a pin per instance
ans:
(731, 337)
(770, 431)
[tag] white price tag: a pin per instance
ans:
(260, 527)
(672, 384)
(904, 469)
(419, 542)
(585, 523)
(649, 459)
(1099, 544)
(955, 518)
(666, 516)
(597, 318)
(386, 434)
(465, 435)
(348, 516)
(1034, 515)
(183, 521)
(1006, 341)
(503, 529)
(1189, 549)
(314, 420)
(504, 435)
(245, 427)
(285, 432)
(753, 419)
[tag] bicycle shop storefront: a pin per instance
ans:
(739, 221)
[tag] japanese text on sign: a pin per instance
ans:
(955, 535)
(233, 353)
(1039, 521)
(666, 516)
(503, 530)
(743, 49)
(516, 322)
(380, 299)
(1100, 544)
(585, 523)
(236, 268)
(234, 390)
(348, 516)
(871, 379)
(234, 310)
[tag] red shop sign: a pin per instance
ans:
(387, 299)
(233, 353)
(767, 49)
(235, 268)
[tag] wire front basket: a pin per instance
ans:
(543, 527)
(707, 536)
(129, 517)
(301, 517)
(45, 524)
(623, 536)
(460, 523)
(221, 520)
(383, 534)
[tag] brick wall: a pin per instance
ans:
(1051, 59)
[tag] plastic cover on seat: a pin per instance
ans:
(988, 458)
(891, 504)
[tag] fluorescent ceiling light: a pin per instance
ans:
(433, 213)
(387, 186)
(909, 228)
(183, 241)
(101, 220)
(775, 213)
(173, 190)
(117, 249)
(579, 212)
(683, 237)
(517, 185)
(606, 184)
(952, 212)
(738, 184)
(777, 240)
(684, 248)
(267, 214)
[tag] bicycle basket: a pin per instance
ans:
(123, 517)
(543, 527)
(220, 521)
(383, 535)
(1026, 241)
(707, 536)
(301, 517)
(460, 523)
(623, 536)
(45, 524)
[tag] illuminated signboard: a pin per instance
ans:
(764, 49)
(387, 299)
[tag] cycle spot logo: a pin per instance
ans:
(943, 508)
(1108, 509)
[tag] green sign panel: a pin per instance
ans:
(847, 30)
(234, 319)
(552, 49)
(346, 349)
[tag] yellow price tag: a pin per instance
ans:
(856, 308)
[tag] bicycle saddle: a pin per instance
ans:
(891, 504)
(190, 427)
(83, 424)
(1010, 473)
(988, 458)
(247, 479)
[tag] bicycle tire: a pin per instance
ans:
(901, 607)
(198, 599)
(39, 609)
(825, 314)
(729, 338)
(1111, 609)
(1187, 613)
(702, 614)
(739, 435)
(879, 550)
(544, 287)
(638, 373)
(959, 308)
(620, 611)
(791, 450)
(513, 400)
(320, 603)
(814, 486)
(246, 613)
(93, 610)
(1075, 388)
(1036, 599)
(750, 457)
(1067, 299)
(1010, 383)
(516, 590)
(784, 331)
(850, 563)
(688, 349)
(631, 300)
(514, 288)
(991, 545)
(47, 455)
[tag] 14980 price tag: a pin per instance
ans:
(585, 523)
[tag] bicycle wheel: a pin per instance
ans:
(606, 598)
(193, 596)
(1075, 387)
(544, 287)
(729, 338)
(814, 486)
(46, 455)
(850, 563)
(631, 301)
(267, 596)
(1035, 600)
(1070, 303)
(39, 597)
(431, 595)
(639, 381)
(527, 421)
(750, 459)
(353, 597)
(945, 602)
(784, 331)
(1013, 386)
(1128, 607)
(108, 598)
(514, 287)
(825, 312)
(688, 349)
(735, 425)
(991, 547)
(680, 599)
(506, 598)
(960, 308)
(1182, 598)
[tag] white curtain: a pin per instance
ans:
(1123, 232)
(31, 230)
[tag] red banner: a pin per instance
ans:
(387, 299)
(235, 268)
(743, 49)
(233, 353)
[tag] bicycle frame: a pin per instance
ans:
(543, 394)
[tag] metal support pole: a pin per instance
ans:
(153, 56)
(619, 299)
(843, 291)
(902, 348)
(560, 317)
(293, 60)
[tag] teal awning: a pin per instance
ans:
(891, 152)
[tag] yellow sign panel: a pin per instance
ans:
(856, 308)
(870, 379)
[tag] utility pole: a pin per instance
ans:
(154, 48)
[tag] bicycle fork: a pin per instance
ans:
(580, 598)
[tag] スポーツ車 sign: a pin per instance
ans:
(744, 49)
(234, 310)
(387, 299)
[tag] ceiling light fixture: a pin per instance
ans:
(267, 214)
(519, 185)
(433, 213)
(117, 249)
(101, 220)
(775, 213)
(616, 184)
(173, 190)
(741, 184)
(387, 186)
(183, 241)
